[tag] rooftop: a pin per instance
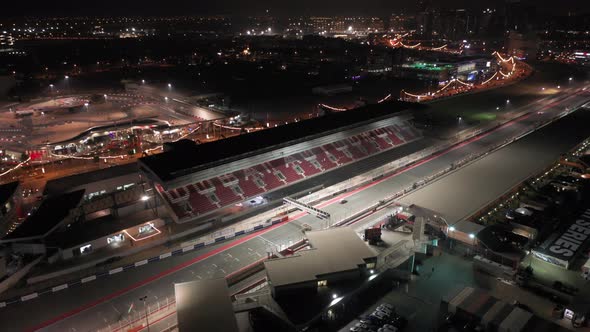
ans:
(7, 190)
(65, 184)
(468, 227)
(333, 250)
(87, 231)
(48, 216)
(204, 305)
(495, 313)
(185, 158)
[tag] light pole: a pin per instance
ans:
(147, 322)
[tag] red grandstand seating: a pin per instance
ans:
(201, 204)
(173, 195)
(340, 156)
(268, 177)
(368, 145)
(250, 188)
(286, 170)
(208, 195)
(309, 168)
(356, 152)
(393, 137)
(225, 194)
(382, 143)
(192, 188)
(406, 134)
(323, 158)
(204, 186)
(182, 192)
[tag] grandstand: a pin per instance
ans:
(195, 180)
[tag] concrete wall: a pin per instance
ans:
(102, 242)
(13, 279)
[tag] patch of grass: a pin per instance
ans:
(483, 116)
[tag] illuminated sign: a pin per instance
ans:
(561, 248)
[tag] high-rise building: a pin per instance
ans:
(424, 18)
(6, 40)
(346, 24)
(401, 23)
(519, 16)
(454, 24)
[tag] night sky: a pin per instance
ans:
(250, 7)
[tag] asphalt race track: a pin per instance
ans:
(462, 193)
(109, 298)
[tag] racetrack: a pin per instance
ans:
(219, 260)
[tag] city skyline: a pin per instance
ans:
(283, 8)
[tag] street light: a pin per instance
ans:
(66, 77)
(142, 81)
(145, 198)
(169, 85)
(507, 101)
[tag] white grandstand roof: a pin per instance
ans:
(334, 250)
(204, 305)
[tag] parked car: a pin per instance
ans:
(384, 310)
(357, 329)
(384, 329)
(363, 325)
(373, 319)
(386, 305)
(390, 327)
(380, 315)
